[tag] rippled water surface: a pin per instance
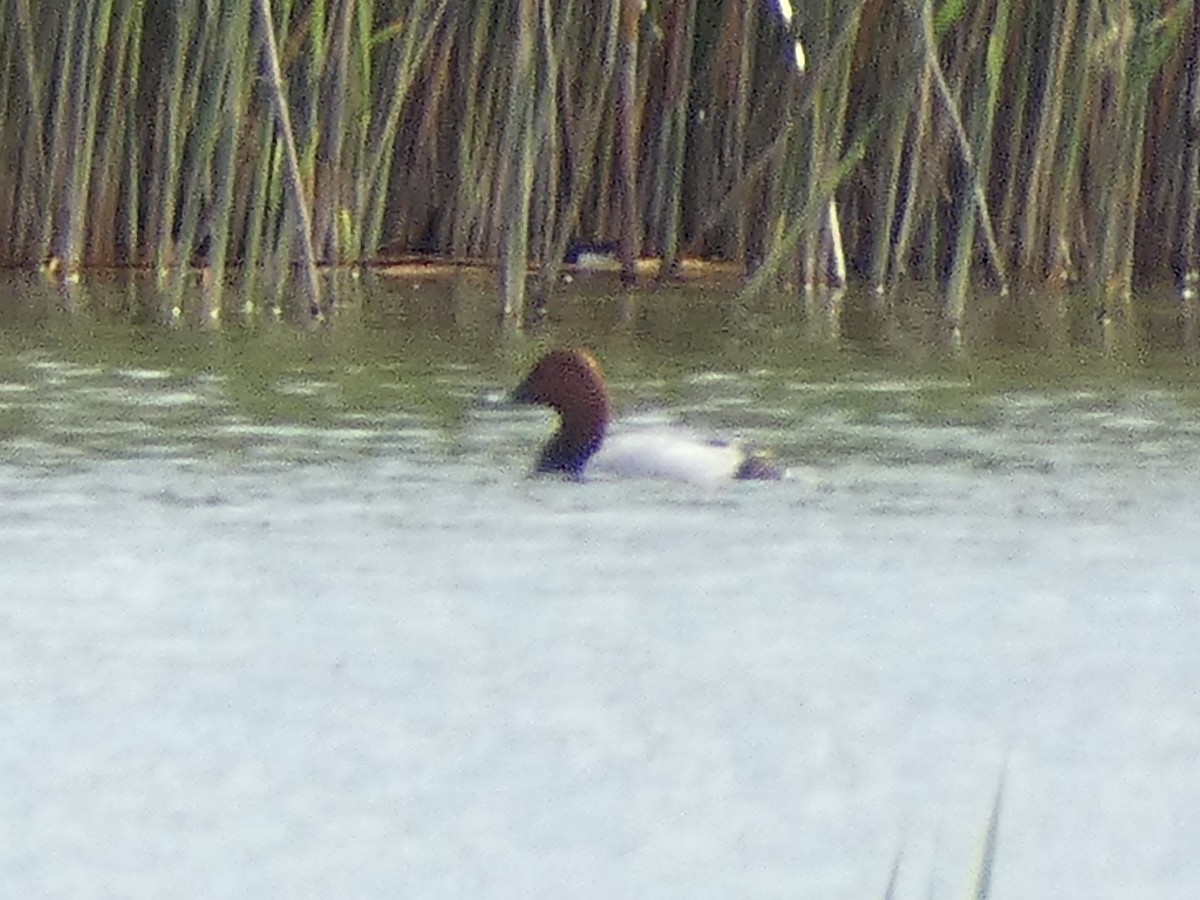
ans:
(281, 613)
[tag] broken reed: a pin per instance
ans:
(1048, 140)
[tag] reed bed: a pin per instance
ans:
(952, 142)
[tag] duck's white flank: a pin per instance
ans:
(666, 455)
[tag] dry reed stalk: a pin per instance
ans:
(1058, 141)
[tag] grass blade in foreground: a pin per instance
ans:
(987, 855)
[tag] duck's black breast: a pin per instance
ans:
(563, 454)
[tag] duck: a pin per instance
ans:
(570, 382)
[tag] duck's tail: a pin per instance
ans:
(760, 465)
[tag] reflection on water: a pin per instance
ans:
(280, 607)
(407, 366)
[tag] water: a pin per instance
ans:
(282, 615)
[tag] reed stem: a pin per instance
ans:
(1015, 139)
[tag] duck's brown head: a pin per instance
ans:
(569, 381)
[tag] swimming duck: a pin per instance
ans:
(570, 382)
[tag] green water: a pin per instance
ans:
(114, 369)
(282, 611)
